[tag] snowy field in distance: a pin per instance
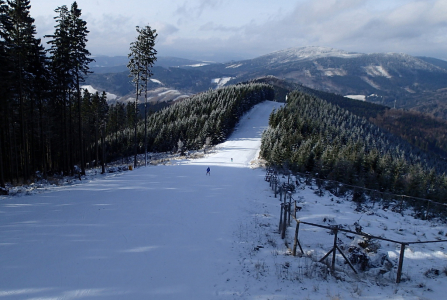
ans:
(357, 97)
(92, 90)
(171, 232)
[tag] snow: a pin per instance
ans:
(234, 66)
(357, 97)
(377, 71)
(171, 232)
(92, 90)
(408, 89)
(330, 72)
(198, 65)
(334, 72)
(175, 92)
(370, 82)
(306, 53)
(156, 81)
(220, 82)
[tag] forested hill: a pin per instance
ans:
(359, 108)
(205, 119)
(312, 135)
(195, 123)
(422, 130)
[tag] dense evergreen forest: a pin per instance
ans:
(195, 123)
(422, 130)
(49, 126)
(312, 135)
(44, 115)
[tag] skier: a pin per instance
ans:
(208, 171)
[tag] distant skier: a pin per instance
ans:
(231, 159)
(208, 171)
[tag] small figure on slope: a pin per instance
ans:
(208, 171)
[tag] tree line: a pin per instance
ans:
(41, 109)
(422, 130)
(312, 135)
(202, 120)
(50, 126)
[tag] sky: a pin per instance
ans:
(225, 30)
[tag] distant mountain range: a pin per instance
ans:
(115, 64)
(392, 79)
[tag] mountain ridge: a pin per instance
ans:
(397, 79)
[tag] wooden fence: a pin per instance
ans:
(425, 209)
(288, 214)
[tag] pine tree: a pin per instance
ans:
(136, 69)
(22, 41)
(5, 27)
(142, 57)
(79, 56)
(60, 68)
(69, 64)
(146, 41)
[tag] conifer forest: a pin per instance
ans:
(50, 126)
(310, 135)
(46, 121)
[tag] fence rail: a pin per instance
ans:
(286, 216)
(423, 208)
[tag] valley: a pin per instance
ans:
(390, 79)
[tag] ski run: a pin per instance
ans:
(171, 232)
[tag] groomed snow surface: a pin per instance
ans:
(171, 232)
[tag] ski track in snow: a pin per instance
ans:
(171, 232)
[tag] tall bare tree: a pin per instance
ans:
(142, 57)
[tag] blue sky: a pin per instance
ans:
(223, 30)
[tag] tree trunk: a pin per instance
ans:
(81, 146)
(2, 179)
(145, 119)
(96, 143)
(103, 145)
(136, 123)
(72, 152)
(42, 140)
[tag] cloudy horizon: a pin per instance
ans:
(224, 30)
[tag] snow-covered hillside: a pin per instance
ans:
(171, 232)
(306, 53)
(92, 90)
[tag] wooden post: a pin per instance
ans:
(276, 185)
(347, 260)
(334, 250)
(280, 193)
(294, 210)
(280, 218)
(401, 262)
(284, 223)
(296, 242)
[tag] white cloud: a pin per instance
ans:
(213, 28)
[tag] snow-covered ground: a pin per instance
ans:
(357, 97)
(220, 82)
(92, 90)
(171, 232)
